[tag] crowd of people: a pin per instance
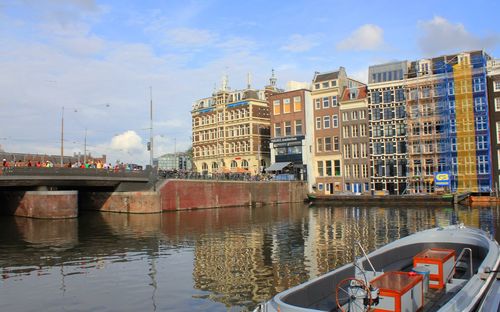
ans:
(88, 165)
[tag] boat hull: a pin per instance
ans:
(319, 294)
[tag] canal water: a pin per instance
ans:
(204, 260)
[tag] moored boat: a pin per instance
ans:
(441, 269)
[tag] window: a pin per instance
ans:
(335, 143)
(298, 127)
(334, 100)
(362, 114)
(320, 168)
(362, 130)
(319, 145)
(481, 123)
(234, 164)
(326, 122)
(362, 150)
(378, 148)
(355, 153)
(286, 106)
(328, 144)
(345, 116)
(347, 151)
(328, 166)
(498, 132)
(497, 104)
(336, 164)
(482, 143)
(317, 103)
(376, 114)
(451, 88)
(364, 174)
(390, 148)
(277, 130)
(297, 103)
(326, 103)
(354, 115)
(244, 164)
(376, 98)
(496, 85)
(335, 121)
(276, 107)
(325, 84)
(388, 113)
(478, 84)
(426, 92)
(316, 86)
(354, 131)
(388, 98)
(345, 132)
(288, 128)
(483, 165)
(400, 111)
(347, 171)
(334, 83)
(318, 123)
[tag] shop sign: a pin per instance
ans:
(442, 179)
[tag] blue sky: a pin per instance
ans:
(99, 58)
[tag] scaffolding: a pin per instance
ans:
(448, 128)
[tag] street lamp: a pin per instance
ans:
(62, 137)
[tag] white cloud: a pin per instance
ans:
(439, 35)
(128, 141)
(366, 37)
(360, 75)
(301, 43)
(190, 37)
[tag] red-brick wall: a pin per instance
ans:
(189, 194)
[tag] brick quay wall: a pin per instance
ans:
(196, 194)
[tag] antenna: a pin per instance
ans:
(249, 80)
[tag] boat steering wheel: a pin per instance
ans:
(353, 292)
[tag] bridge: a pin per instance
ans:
(62, 192)
(72, 178)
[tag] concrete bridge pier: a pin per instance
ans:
(42, 204)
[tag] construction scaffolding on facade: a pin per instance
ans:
(448, 130)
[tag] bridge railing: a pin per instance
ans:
(90, 172)
(212, 176)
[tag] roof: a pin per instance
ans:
(326, 76)
(278, 166)
(361, 93)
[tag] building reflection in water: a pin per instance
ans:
(230, 258)
(245, 256)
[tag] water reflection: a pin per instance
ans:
(199, 260)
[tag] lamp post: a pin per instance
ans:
(151, 127)
(62, 137)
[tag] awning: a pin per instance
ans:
(278, 166)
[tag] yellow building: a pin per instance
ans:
(231, 132)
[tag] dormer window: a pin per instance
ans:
(325, 84)
(316, 86)
(334, 83)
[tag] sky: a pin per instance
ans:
(98, 64)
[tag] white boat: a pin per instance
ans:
(442, 269)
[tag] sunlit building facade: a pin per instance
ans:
(231, 132)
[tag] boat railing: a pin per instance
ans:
(462, 253)
(366, 256)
